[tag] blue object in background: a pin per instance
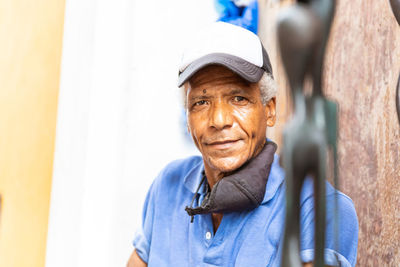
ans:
(246, 17)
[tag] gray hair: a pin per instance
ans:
(267, 84)
(268, 88)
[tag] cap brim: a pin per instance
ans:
(244, 69)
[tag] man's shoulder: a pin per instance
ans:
(345, 204)
(181, 166)
(175, 172)
(330, 192)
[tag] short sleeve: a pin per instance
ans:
(142, 237)
(342, 253)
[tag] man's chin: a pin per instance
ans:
(226, 165)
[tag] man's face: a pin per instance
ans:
(226, 118)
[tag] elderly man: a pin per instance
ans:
(227, 207)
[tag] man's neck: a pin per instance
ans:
(212, 175)
(216, 220)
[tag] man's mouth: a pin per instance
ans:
(223, 144)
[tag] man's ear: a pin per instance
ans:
(270, 112)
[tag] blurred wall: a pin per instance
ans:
(30, 55)
(362, 68)
(119, 121)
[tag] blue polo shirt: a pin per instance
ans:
(250, 238)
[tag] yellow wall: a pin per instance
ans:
(30, 55)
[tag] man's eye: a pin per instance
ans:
(201, 102)
(239, 99)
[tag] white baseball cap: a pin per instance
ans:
(228, 45)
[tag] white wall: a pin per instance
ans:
(119, 121)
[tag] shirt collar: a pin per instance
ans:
(275, 179)
(193, 178)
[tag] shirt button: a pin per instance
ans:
(208, 235)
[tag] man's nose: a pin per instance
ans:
(221, 115)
